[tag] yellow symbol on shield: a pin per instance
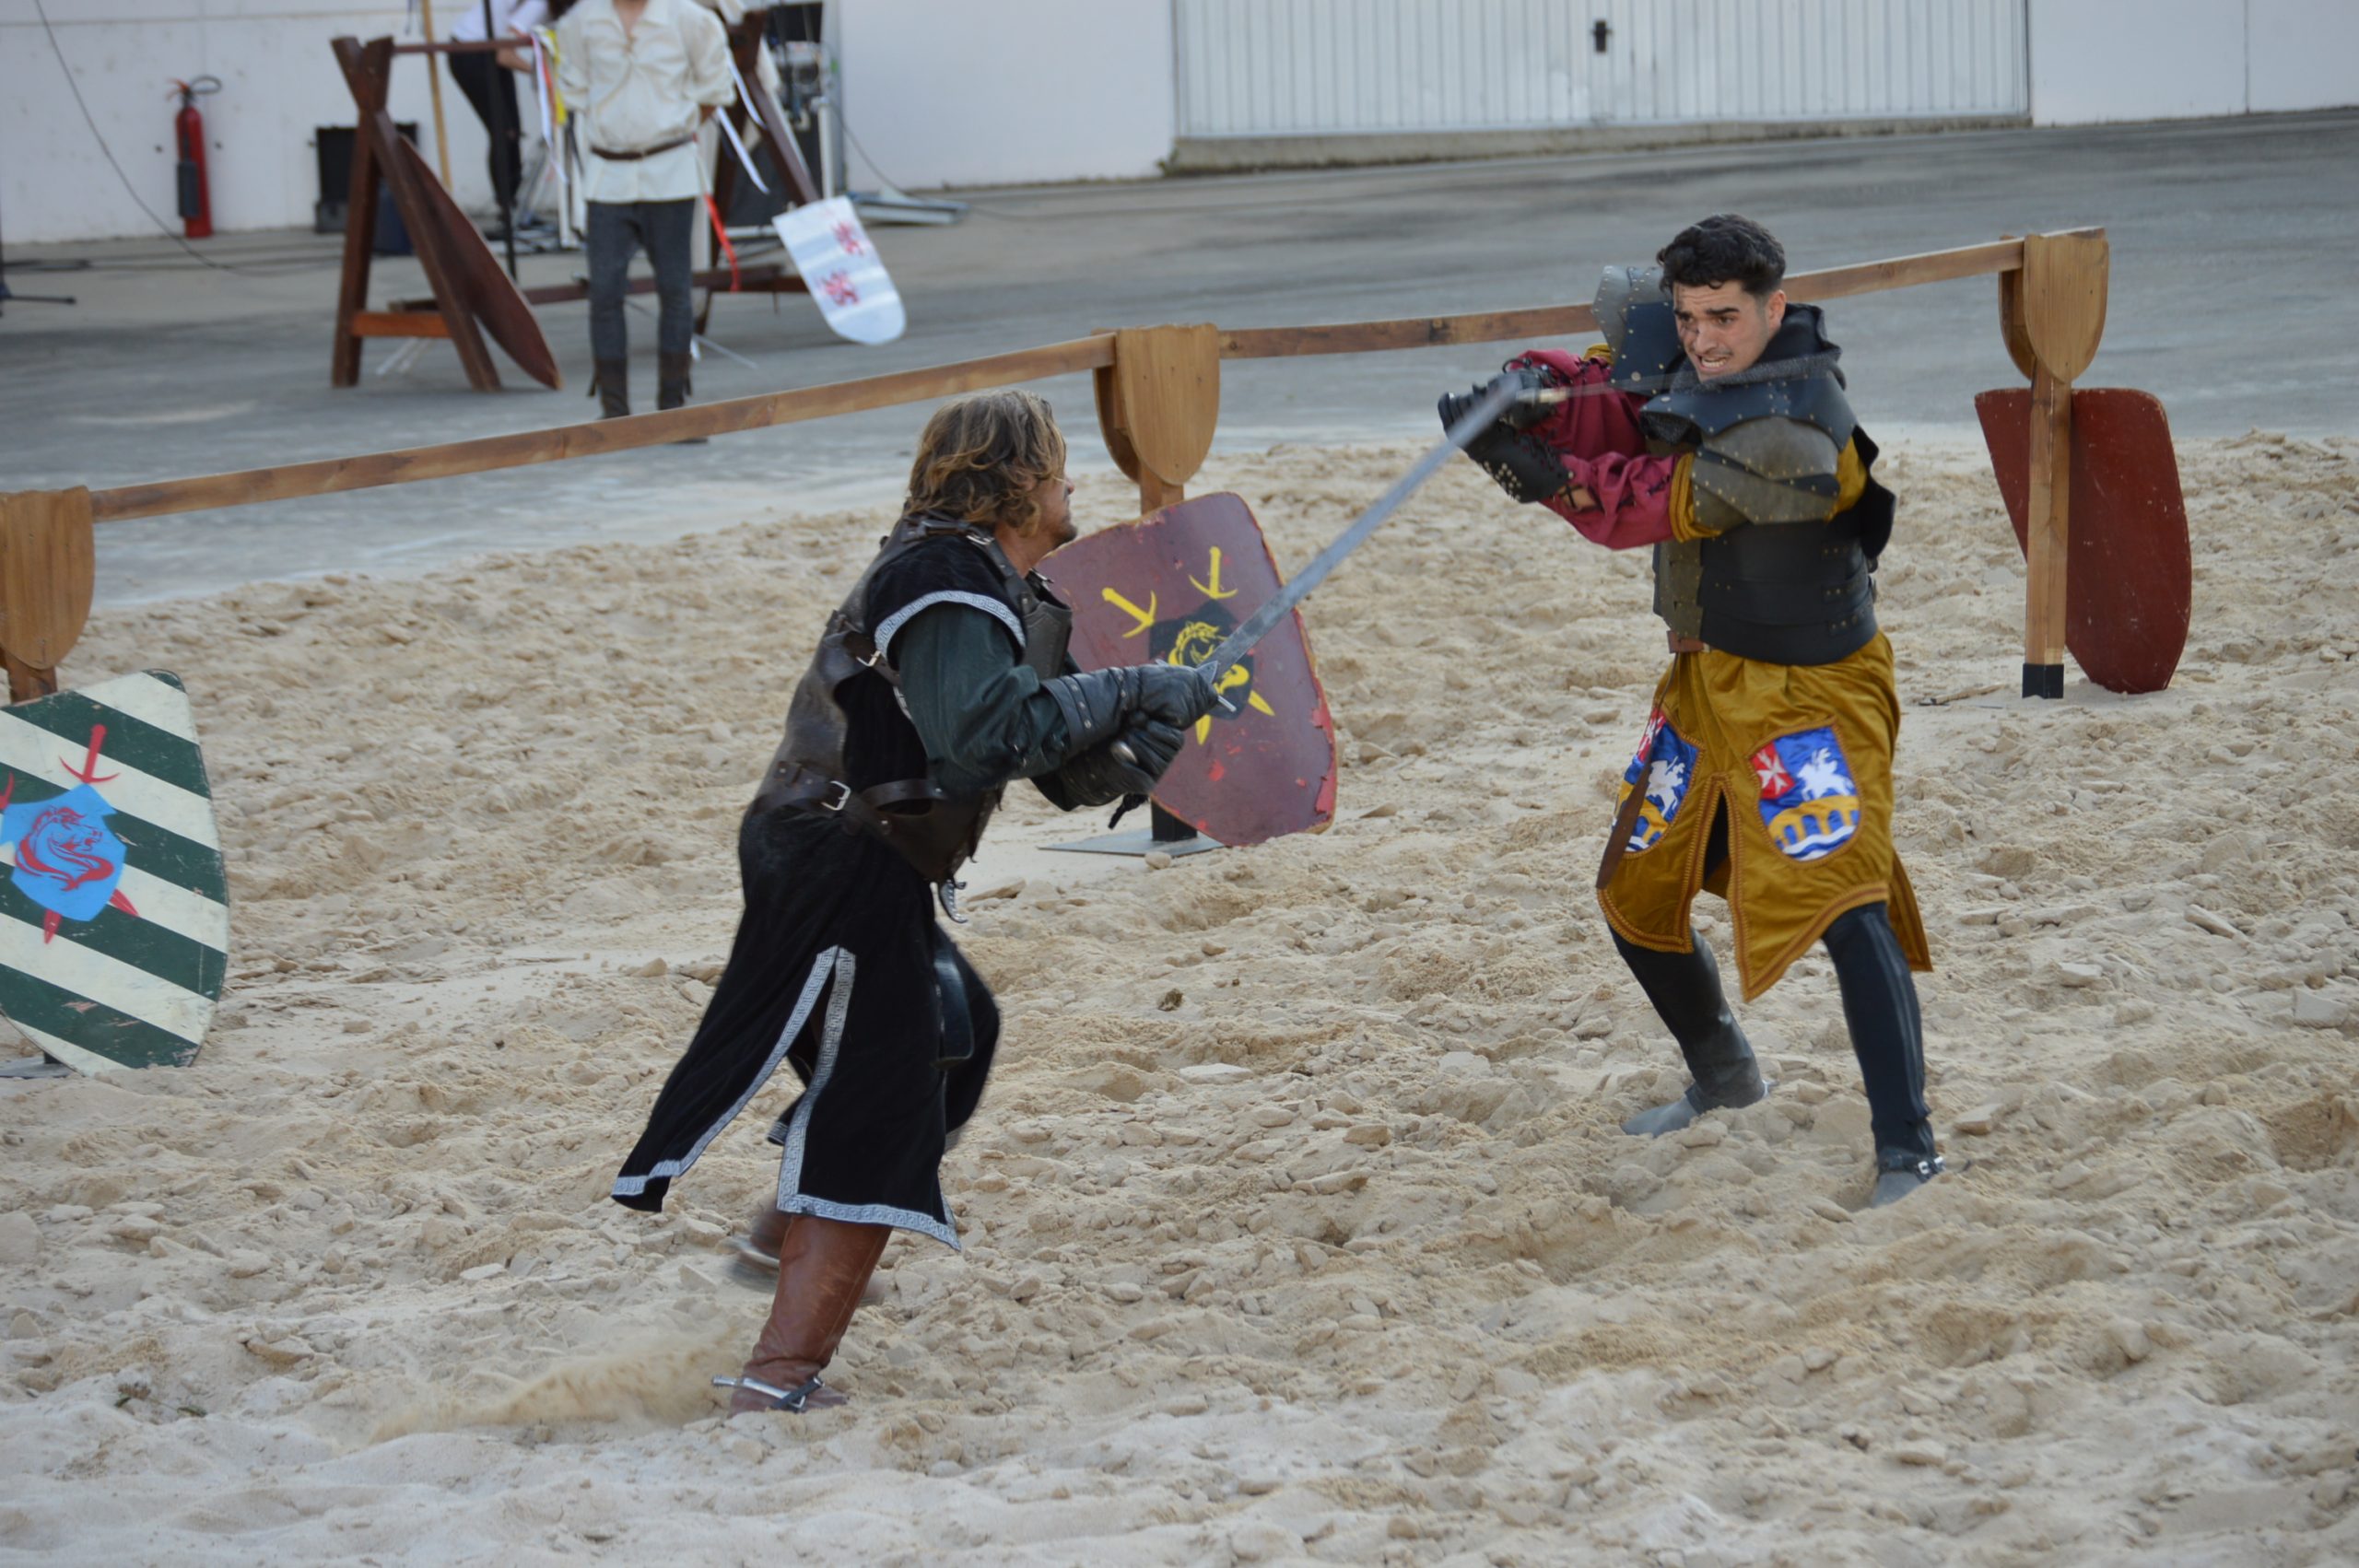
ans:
(1194, 640)
(1145, 618)
(1213, 590)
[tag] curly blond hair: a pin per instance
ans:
(981, 457)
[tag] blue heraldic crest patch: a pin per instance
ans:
(68, 859)
(1664, 768)
(1809, 801)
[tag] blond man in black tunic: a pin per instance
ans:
(943, 678)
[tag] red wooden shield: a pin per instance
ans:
(490, 293)
(2128, 580)
(1169, 587)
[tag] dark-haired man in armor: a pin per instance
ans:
(1712, 427)
(942, 679)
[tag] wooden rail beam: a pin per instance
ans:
(336, 475)
(2067, 307)
(1563, 320)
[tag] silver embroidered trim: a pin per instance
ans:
(631, 1187)
(873, 1214)
(984, 602)
(792, 1200)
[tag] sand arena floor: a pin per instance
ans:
(1298, 1224)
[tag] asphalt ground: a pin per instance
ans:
(2231, 300)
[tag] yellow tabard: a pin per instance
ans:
(1800, 756)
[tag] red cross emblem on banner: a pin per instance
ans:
(849, 238)
(840, 289)
(1775, 779)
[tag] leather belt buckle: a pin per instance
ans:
(843, 793)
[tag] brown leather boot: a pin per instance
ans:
(611, 379)
(672, 389)
(822, 1265)
(672, 380)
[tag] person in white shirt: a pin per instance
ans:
(640, 75)
(491, 89)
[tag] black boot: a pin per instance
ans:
(1900, 1172)
(1686, 991)
(610, 379)
(672, 389)
(1888, 1036)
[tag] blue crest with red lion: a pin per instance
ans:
(68, 859)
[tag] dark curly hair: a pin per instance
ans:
(1724, 248)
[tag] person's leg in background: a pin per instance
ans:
(613, 235)
(481, 77)
(669, 228)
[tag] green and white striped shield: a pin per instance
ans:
(115, 913)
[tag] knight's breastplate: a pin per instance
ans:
(1774, 578)
(1786, 595)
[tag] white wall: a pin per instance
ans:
(2302, 54)
(278, 80)
(940, 92)
(2110, 60)
(962, 92)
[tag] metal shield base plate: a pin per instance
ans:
(2129, 583)
(114, 912)
(1170, 587)
(1141, 842)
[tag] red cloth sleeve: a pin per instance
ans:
(1604, 452)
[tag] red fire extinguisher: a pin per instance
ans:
(188, 130)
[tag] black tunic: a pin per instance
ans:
(834, 967)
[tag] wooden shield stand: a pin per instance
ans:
(2131, 582)
(468, 285)
(1158, 405)
(2052, 315)
(48, 572)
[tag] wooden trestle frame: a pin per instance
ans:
(466, 288)
(1158, 400)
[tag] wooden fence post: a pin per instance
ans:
(2052, 315)
(1157, 405)
(47, 571)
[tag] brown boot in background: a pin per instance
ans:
(822, 1265)
(610, 379)
(672, 389)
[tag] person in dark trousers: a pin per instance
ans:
(1712, 427)
(941, 679)
(489, 83)
(640, 75)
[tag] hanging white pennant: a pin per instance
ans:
(841, 267)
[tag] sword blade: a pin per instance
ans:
(1239, 643)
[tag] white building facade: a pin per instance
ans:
(959, 93)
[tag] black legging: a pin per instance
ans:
(1879, 1006)
(479, 77)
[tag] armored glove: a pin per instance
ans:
(1099, 705)
(1526, 467)
(1127, 768)
(1519, 415)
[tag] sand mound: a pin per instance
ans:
(1297, 1224)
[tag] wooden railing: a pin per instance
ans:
(1158, 400)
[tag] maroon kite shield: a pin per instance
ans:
(1169, 587)
(2129, 582)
